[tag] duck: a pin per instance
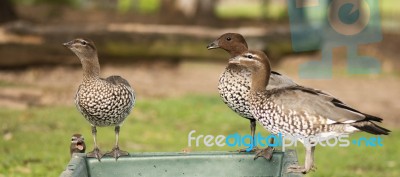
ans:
(300, 111)
(235, 44)
(102, 101)
(234, 84)
(77, 144)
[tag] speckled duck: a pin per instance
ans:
(103, 102)
(234, 82)
(299, 111)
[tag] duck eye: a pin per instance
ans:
(84, 43)
(228, 38)
(250, 56)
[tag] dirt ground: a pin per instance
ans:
(43, 86)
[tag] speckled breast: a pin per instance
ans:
(271, 116)
(234, 87)
(104, 104)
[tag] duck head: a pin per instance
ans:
(83, 48)
(77, 144)
(258, 64)
(233, 43)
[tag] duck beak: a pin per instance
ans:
(213, 45)
(68, 44)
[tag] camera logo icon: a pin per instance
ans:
(328, 24)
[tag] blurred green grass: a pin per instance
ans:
(143, 6)
(35, 142)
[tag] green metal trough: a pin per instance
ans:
(162, 164)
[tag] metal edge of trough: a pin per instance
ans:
(79, 163)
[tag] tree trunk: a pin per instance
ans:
(264, 5)
(7, 11)
(169, 12)
(205, 9)
(168, 8)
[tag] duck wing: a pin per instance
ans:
(308, 101)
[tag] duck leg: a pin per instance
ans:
(96, 153)
(116, 152)
(253, 132)
(308, 164)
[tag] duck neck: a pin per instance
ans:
(237, 50)
(260, 79)
(91, 68)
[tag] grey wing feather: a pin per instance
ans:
(278, 80)
(316, 102)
